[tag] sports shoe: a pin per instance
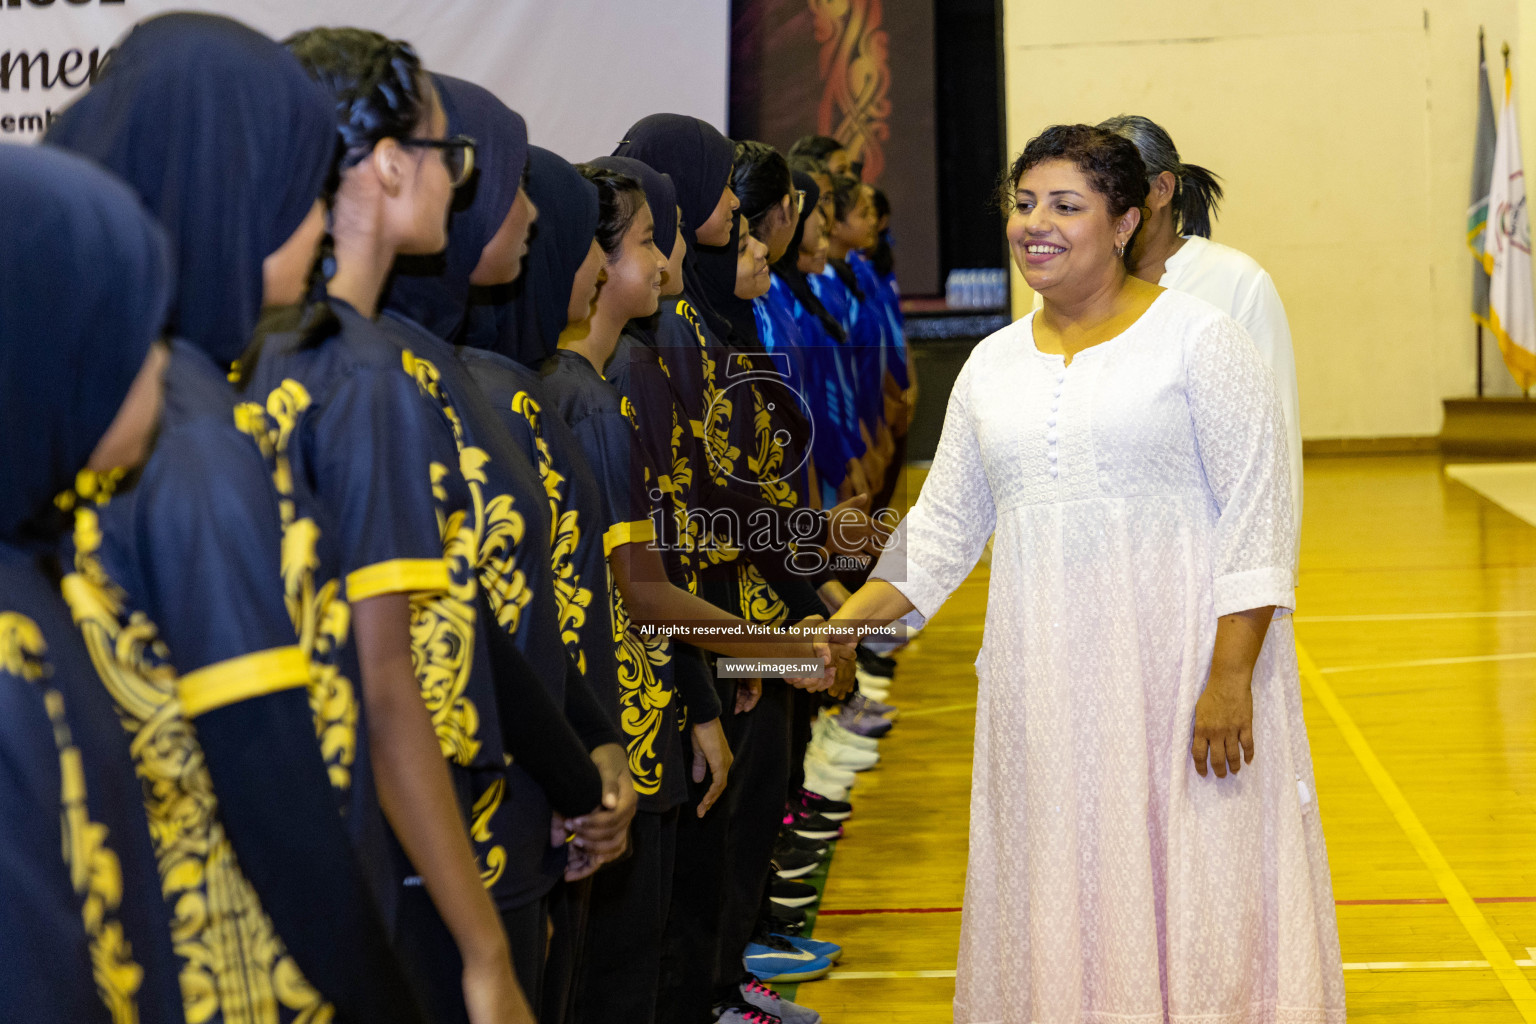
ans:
(863, 723)
(829, 728)
(875, 664)
(791, 863)
(822, 770)
(832, 810)
(813, 826)
(771, 959)
(861, 703)
(746, 1013)
(791, 894)
(872, 686)
(842, 755)
(824, 780)
(782, 920)
(792, 841)
(775, 1005)
(828, 950)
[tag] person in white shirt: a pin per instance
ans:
(1174, 249)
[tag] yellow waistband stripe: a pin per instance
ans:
(398, 576)
(619, 534)
(242, 678)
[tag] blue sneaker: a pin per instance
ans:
(772, 958)
(826, 950)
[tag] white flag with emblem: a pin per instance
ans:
(1507, 244)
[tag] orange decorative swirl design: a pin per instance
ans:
(856, 75)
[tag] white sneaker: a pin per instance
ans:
(819, 782)
(816, 763)
(840, 756)
(872, 686)
(828, 726)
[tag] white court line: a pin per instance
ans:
(1429, 662)
(1384, 965)
(1414, 616)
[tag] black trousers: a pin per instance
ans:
(527, 930)
(568, 903)
(619, 972)
(692, 934)
(759, 781)
(803, 707)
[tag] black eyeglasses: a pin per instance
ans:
(458, 155)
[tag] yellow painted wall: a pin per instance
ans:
(1343, 132)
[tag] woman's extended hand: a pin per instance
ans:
(1224, 724)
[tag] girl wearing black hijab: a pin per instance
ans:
(174, 574)
(85, 286)
(543, 646)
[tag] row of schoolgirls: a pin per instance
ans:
(377, 491)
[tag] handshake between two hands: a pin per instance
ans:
(835, 647)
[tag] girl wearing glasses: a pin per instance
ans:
(378, 453)
(173, 573)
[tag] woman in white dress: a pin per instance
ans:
(1145, 844)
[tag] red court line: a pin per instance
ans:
(1431, 900)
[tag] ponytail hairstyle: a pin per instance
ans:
(760, 178)
(1197, 195)
(619, 198)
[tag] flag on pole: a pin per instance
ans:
(1482, 172)
(1507, 245)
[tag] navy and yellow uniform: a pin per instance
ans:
(173, 581)
(603, 425)
(503, 540)
(85, 284)
(67, 786)
(578, 561)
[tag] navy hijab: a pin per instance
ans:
(525, 326)
(660, 195)
(434, 290)
(699, 161)
(85, 285)
(227, 142)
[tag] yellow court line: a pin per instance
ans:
(1450, 886)
(1388, 965)
(920, 712)
(1468, 659)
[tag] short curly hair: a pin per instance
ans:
(380, 89)
(1112, 165)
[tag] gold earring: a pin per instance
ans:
(1120, 251)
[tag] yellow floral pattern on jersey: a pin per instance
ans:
(643, 699)
(320, 613)
(235, 969)
(767, 462)
(572, 598)
(94, 870)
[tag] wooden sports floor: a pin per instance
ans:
(1417, 625)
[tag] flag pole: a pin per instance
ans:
(1527, 391)
(1482, 59)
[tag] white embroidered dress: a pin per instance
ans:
(1134, 496)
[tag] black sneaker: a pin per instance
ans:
(814, 826)
(791, 894)
(782, 920)
(875, 664)
(794, 841)
(815, 803)
(789, 862)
